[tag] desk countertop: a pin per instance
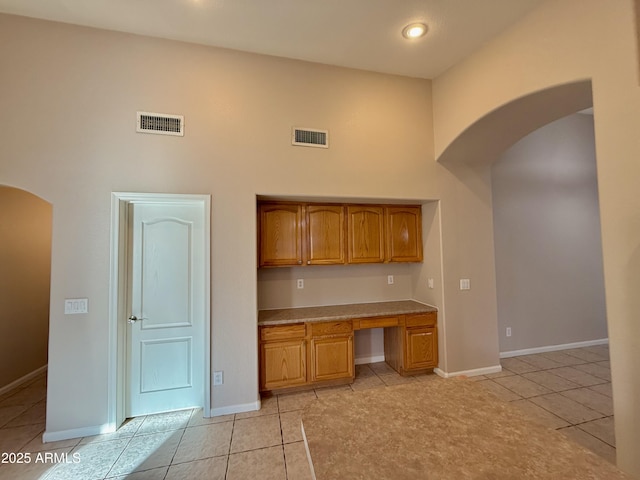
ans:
(327, 313)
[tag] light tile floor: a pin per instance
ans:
(569, 391)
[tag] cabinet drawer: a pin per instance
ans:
(421, 319)
(282, 332)
(330, 328)
(375, 322)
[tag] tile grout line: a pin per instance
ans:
(184, 432)
(123, 450)
(284, 457)
(604, 381)
(588, 433)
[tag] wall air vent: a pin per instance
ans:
(310, 137)
(160, 123)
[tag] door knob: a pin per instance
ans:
(132, 319)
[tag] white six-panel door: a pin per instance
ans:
(165, 336)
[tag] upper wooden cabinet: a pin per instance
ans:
(404, 234)
(325, 234)
(321, 234)
(365, 231)
(281, 229)
(301, 234)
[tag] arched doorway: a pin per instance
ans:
(546, 223)
(476, 149)
(25, 264)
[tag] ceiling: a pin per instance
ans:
(363, 34)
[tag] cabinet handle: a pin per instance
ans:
(299, 262)
(308, 262)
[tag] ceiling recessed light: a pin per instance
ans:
(414, 30)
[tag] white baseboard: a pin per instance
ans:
(23, 380)
(244, 407)
(108, 428)
(77, 433)
(554, 348)
(469, 373)
(370, 359)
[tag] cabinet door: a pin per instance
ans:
(332, 357)
(280, 234)
(365, 232)
(325, 226)
(404, 234)
(282, 364)
(420, 348)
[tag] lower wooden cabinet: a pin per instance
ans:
(332, 358)
(412, 347)
(283, 364)
(295, 356)
(283, 356)
(420, 348)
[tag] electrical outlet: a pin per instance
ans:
(217, 378)
(300, 283)
(508, 331)
(390, 279)
(430, 282)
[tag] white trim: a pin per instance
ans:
(554, 348)
(442, 326)
(77, 433)
(23, 380)
(369, 359)
(469, 373)
(117, 295)
(241, 408)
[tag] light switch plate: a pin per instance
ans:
(465, 284)
(430, 282)
(73, 306)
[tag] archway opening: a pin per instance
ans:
(535, 157)
(25, 276)
(548, 249)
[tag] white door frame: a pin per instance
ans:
(118, 297)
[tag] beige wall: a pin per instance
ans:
(239, 109)
(547, 238)
(68, 135)
(25, 268)
(332, 285)
(564, 41)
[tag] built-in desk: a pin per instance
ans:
(313, 346)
